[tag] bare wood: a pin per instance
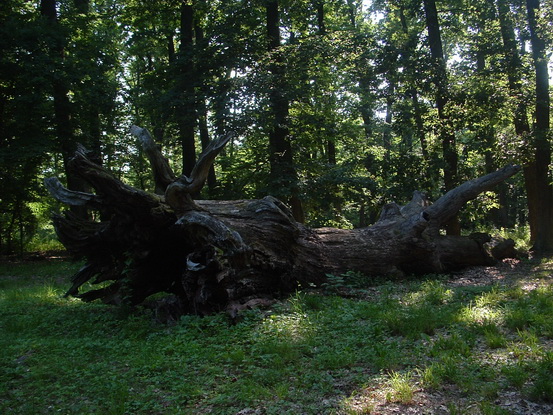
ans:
(447, 206)
(163, 174)
(69, 197)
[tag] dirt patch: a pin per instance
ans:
(527, 274)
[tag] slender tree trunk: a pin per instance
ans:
(283, 175)
(202, 110)
(62, 105)
(387, 134)
(440, 80)
(520, 115)
(90, 117)
(366, 105)
(330, 144)
(411, 73)
(485, 130)
(186, 112)
(543, 243)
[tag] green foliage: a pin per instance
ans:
(350, 279)
(362, 122)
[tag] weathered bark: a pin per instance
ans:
(215, 255)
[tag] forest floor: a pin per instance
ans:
(474, 342)
(526, 276)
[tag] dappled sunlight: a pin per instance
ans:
(40, 295)
(397, 347)
(294, 326)
(431, 292)
(472, 314)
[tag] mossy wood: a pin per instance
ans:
(216, 255)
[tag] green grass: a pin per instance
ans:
(314, 353)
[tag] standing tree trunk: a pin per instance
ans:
(513, 69)
(216, 255)
(330, 144)
(62, 105)
(283, 176)
(411, 73)
(186, 111)
(487, 109)
(543, 242)
(446, 130)
(202, 107)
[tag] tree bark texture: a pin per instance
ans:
(215, 255)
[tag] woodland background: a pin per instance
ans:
(337, 106)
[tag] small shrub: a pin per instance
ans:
(487, 408)
(402, 389)
(453, 343)
(519, 318)
(515, 374)
(334, 359)
(333, 284)
(431, 376)
(542, 387)
(493, 337)
(435, 293)
(384, 356)
(313, 302)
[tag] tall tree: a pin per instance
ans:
(202, 110)
(56, 42)
(320, 10)
(186, 101)
(408, 58)
(543, 238)
(513, 67)
(283, 176)
(440, 80)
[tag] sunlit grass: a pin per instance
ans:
(310, 354)
(480, 316)
(431, 292)
(402, 389)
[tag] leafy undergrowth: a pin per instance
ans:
(477, 343)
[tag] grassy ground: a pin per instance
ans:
(476, 343)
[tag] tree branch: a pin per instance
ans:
(200, 171)
(163, 174)
(449, 204)
(69, 197)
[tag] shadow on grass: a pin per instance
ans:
(413, 343)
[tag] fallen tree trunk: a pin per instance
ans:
(213, 255)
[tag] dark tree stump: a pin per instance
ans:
(216, 255)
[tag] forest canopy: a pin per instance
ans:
(336, 107)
